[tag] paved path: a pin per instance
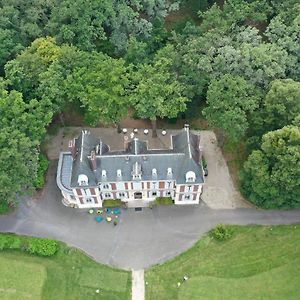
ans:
(138, 285)
(141, 239)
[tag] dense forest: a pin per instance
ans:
(236, 61)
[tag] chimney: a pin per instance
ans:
(72, 148)
(93, 161)
(186, 127)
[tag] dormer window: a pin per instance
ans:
(119, 173)
(190, 176)
(136, 171)
(83, 180)
(104, 173)
(154, 172)
(169, 171)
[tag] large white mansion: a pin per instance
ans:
(90, 173)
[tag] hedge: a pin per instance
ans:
(163, 201)
(112, 203)
(43, 165)
(36, 246)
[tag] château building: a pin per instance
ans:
(89, 172)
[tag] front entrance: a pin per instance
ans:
(138, 195)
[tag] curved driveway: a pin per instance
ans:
(141, 239)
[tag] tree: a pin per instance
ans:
(29, 118)
(282, 103)
(137, 52)
(285, 34)
(157, 92)
(230, 100)
(25, 70)
(271, 175)
(101, 86)
(20, 23)
(212, 55)
(233, 12)
(18, 163)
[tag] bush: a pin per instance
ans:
(43, 247)
(42, 168)
(37, 246)
(163, 201)
(222, 232)
(9, 242)
(112, 203)
(4, 207)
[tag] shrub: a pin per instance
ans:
(222, 232)
(42, 168)
(43, 247)
(37, 246)
(112, 203)
(163, 201)
(4, 207)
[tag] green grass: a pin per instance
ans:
(258, 262)
(69, 274)
(21, 280)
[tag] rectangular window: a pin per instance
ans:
(187, 197)
(121, 195)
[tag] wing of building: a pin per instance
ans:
(90, 173)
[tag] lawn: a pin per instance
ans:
(258, 262)
(69, 274)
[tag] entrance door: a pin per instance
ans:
(138, 195)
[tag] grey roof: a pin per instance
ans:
(183, 157)
(64, 172)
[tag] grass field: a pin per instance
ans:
(258, 262)
(67, 275)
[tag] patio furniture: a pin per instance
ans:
(99, 219)
(99, 211)
(116, 211)
(108, 210)
(135, 130)
(124, 130)
(91, 211)
(146, 131)
(108, 219)
(164, 132)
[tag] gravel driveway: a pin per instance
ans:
(219, 191)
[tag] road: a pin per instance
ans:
(141, 239)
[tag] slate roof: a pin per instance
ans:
(184, 156)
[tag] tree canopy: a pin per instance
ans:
(271, 175)
(230, 100)
(156, 91)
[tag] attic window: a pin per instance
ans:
(136, 171)
(119, 173)
(154, 172)
(169, 171)
(103, 173)
(83, 180)
(190, 176)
